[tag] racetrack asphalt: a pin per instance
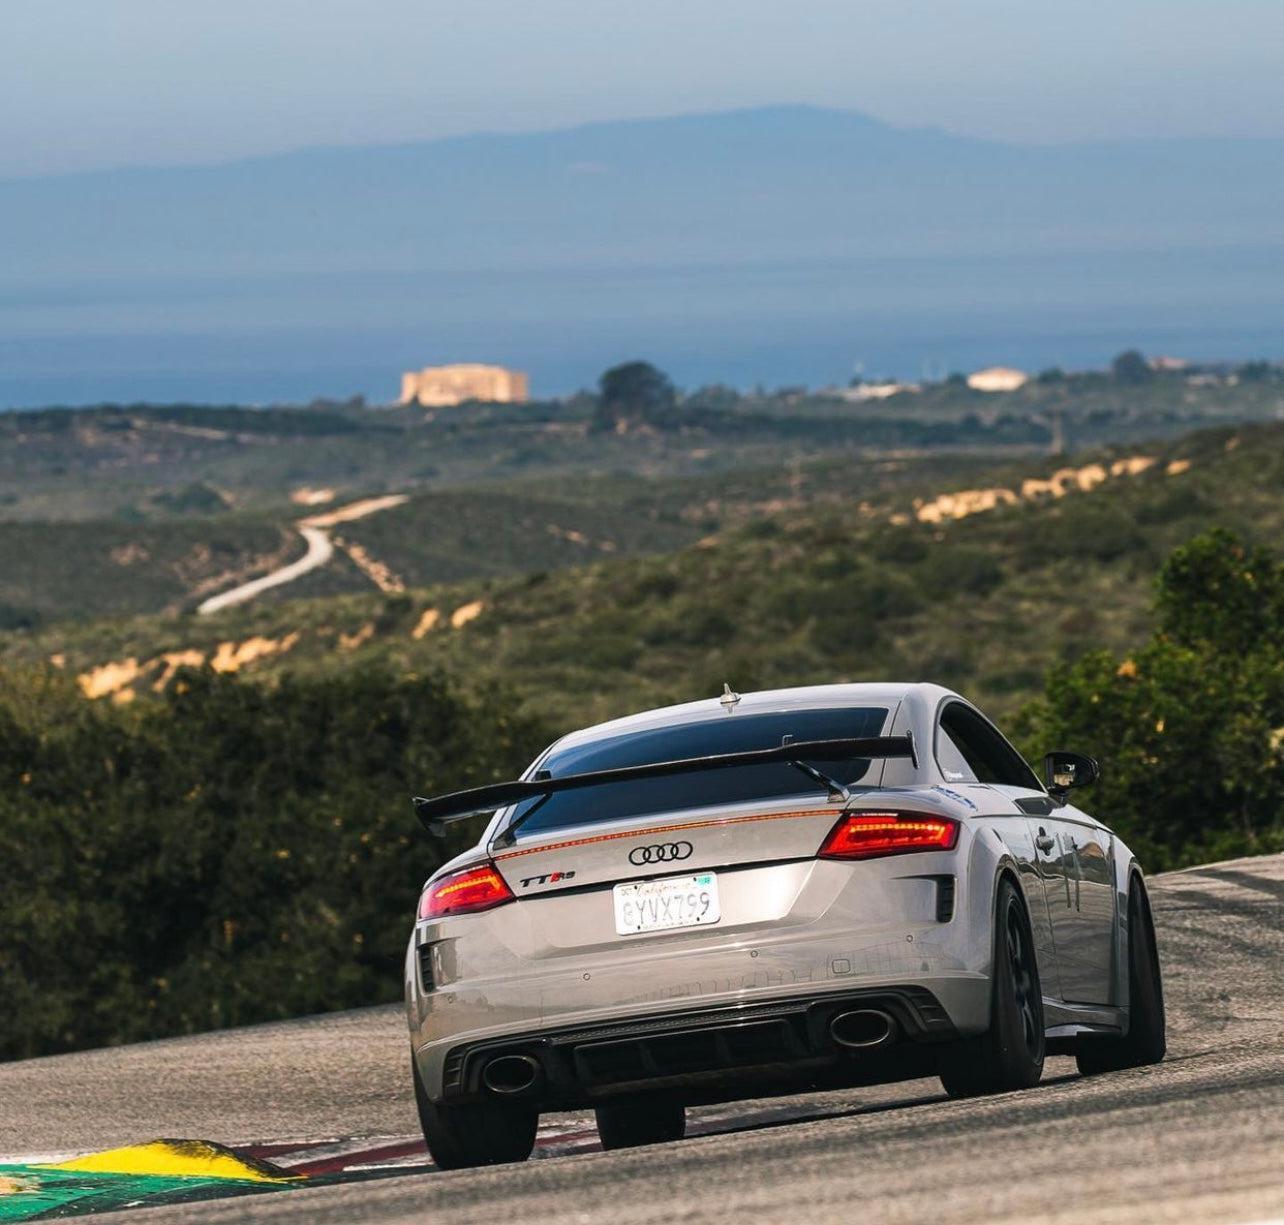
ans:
(1199, 1138)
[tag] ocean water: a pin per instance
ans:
(289, 338)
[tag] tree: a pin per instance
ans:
(1131, 367)
(633, 392)
(1218, 595)
(1254, 372)
(225, 852)
(1189, 729)
(716, 396)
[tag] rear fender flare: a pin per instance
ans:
(988, 863)
(1007, 872)
(1133, 878)
(1007, 869)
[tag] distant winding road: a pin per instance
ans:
(315, 530)
(320, 550)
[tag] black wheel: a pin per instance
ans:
(630, 1124)
(475, 1133)
(1009, 1055)
(1145, 1041)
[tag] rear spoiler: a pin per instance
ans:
(438, 811)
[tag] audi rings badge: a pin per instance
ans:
(660, 852)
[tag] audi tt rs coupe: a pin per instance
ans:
(765, 894)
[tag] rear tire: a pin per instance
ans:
(1009, 1055)
(631, 1124)
(475, 1133)
(1146, 1041)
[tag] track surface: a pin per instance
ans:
(1199, 1138)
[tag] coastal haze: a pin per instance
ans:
(773, 245)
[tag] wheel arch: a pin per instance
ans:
(1135, 880)
(1007, 869)
(994, 848)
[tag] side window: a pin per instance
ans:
(988, 756)
(954, 766)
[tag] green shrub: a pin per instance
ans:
(899, 545)
(225, 854)
(1189, 729)
(762, 529)
(952, 569)
(1079, 529)
(858, 612)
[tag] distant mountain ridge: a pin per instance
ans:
(507, 241)
(612, 130)
(793, 178)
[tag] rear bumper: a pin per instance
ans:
(707, 1054)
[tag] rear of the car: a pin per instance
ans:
(707, 934)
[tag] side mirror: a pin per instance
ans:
(1063, 771)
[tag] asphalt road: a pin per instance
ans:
(1199, 1138)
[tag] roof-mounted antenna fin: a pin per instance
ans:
(729, 698)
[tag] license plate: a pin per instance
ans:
(660, 905)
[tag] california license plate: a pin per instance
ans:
(659, 905)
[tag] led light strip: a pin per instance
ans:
(466, 878)
(668, 829)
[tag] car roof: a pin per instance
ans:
(873, 693)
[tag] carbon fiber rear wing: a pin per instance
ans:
(438, 811)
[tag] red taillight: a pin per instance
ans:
(464, 893)
(866, 835)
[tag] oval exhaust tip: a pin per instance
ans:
(509, 1074)
(862, 1028)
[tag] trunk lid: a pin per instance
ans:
(660, 845)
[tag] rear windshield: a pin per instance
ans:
(732, 733)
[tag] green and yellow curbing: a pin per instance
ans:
(175, 1159)
(160, 1172)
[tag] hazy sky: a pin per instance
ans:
(86, 83)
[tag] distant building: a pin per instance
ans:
(1168, 363)
(997, 378)
(873, 391)
(443, 386)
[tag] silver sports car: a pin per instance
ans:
(764, 894)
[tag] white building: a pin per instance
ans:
(444, 386)
(873, 391)
(997, 378)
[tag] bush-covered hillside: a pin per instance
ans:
(234, 851)
(54, 572)
(230, 853)
(115, 459)
(844, 588)
(234, 843)
(1190, 726)
(176, 502)
(114, 462)
(170, 558)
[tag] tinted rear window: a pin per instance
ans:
(734, 733)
